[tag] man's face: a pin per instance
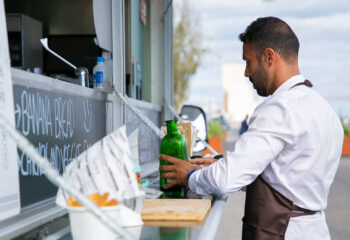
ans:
(255, 70)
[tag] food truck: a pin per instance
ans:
(52, 49)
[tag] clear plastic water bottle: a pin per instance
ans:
(99, 73)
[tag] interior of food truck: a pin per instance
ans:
(71, 32)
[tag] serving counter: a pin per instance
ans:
(179, 230)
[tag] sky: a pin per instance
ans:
(322, 27)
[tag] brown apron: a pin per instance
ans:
(267, 212)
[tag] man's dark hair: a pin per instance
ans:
(271, 32)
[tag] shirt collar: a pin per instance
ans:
(289, 83)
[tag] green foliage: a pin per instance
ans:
(346, 127)
(215, 130)
(188, 52)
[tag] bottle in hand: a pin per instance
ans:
(175, 145)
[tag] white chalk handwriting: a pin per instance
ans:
(87, 115)
(34, 113)
(59, 158)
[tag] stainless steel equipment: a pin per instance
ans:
(83, 75)
(24, 34)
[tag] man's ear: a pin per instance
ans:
(269, 56)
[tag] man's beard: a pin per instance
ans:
(260, 81)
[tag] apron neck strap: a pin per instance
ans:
(306, 83)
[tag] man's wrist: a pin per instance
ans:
(189, 175)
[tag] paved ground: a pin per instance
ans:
(337, 212)
(231, 222)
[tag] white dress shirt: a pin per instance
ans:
(294, 141)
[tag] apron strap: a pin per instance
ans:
(298, 211)
(306, 83)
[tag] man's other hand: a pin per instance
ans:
(202, 162)
(177, 172)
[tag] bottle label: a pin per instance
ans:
(98, 79)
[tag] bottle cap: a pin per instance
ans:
(100, 59)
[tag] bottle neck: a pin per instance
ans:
(171, 127)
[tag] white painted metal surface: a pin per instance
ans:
(31, 217)
(118, 38)
(9, 177)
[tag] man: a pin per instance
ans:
(289, 155)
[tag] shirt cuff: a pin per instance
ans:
(192, 180)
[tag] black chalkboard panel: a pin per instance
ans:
(60, 126)
(149, 142)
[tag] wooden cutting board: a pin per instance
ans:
(175, 209)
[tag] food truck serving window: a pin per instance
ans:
(69, 28)
(144, 50)
(137, 49)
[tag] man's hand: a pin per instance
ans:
(177, 172)
(202, 162)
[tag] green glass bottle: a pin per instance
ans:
(175, 145)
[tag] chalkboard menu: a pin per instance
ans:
(149, 142)
(61, 127)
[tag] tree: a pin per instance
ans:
(188, 52)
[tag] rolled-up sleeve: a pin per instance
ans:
(271, 128)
